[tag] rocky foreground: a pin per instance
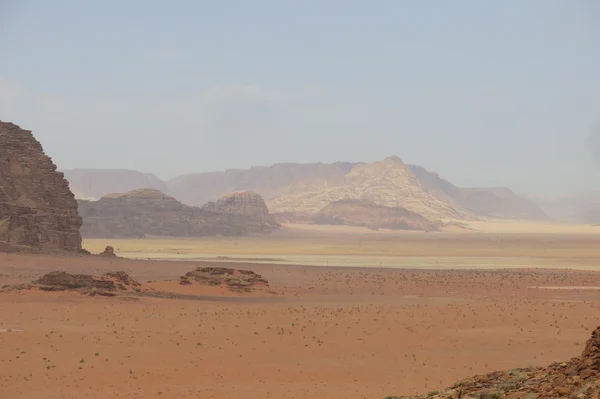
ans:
(578, 378)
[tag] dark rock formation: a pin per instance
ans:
(577, 378)
(246, 203)
(38, 212)
(109, 252)
(233, 279)
(109, 284)
(368, 214)
(149, 212)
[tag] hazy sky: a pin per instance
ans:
(484, 93)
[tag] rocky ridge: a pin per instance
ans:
(578, 378)
(149, 212)
(233, 279)
(38, 212)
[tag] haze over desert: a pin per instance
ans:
(301, 200)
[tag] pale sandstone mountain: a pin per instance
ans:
(37, 211)
(389, 183)
(149, 212)
(368, 214)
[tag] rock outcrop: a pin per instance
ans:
(233, 279)
(148, 212)
(38, 212)
(246, 203)
(577, 378)
(368, 214)
(109, 284)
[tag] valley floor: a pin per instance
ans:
(330, 332)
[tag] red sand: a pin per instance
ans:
(334, 333)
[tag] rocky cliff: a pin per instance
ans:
(368, 214)
(247, 203)
(38, 212)
(148, 212)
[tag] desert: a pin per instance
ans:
(334, 332)
(139, 295)
(299, 200)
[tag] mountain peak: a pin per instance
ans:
(394, 158)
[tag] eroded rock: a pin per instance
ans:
(108, 284)
(578, 378)
(38, 212)
(233, 279)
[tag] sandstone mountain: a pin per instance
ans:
(270, 182)
(389, 183)
(148, 212)
(247, 203)
(38, 212)
(368, 214)
(95, 183)
(495, 202)
(288, 189)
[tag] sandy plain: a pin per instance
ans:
(331, 332)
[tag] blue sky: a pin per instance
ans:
(500, 93)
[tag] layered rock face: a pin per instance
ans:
(389, 183)
(148, 212)
(38, 212)
(368, 214)
(247, 203)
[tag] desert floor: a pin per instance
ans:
(331, 332)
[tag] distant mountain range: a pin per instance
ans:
(306, 189)
(149, 212)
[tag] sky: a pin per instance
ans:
(503, 93)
